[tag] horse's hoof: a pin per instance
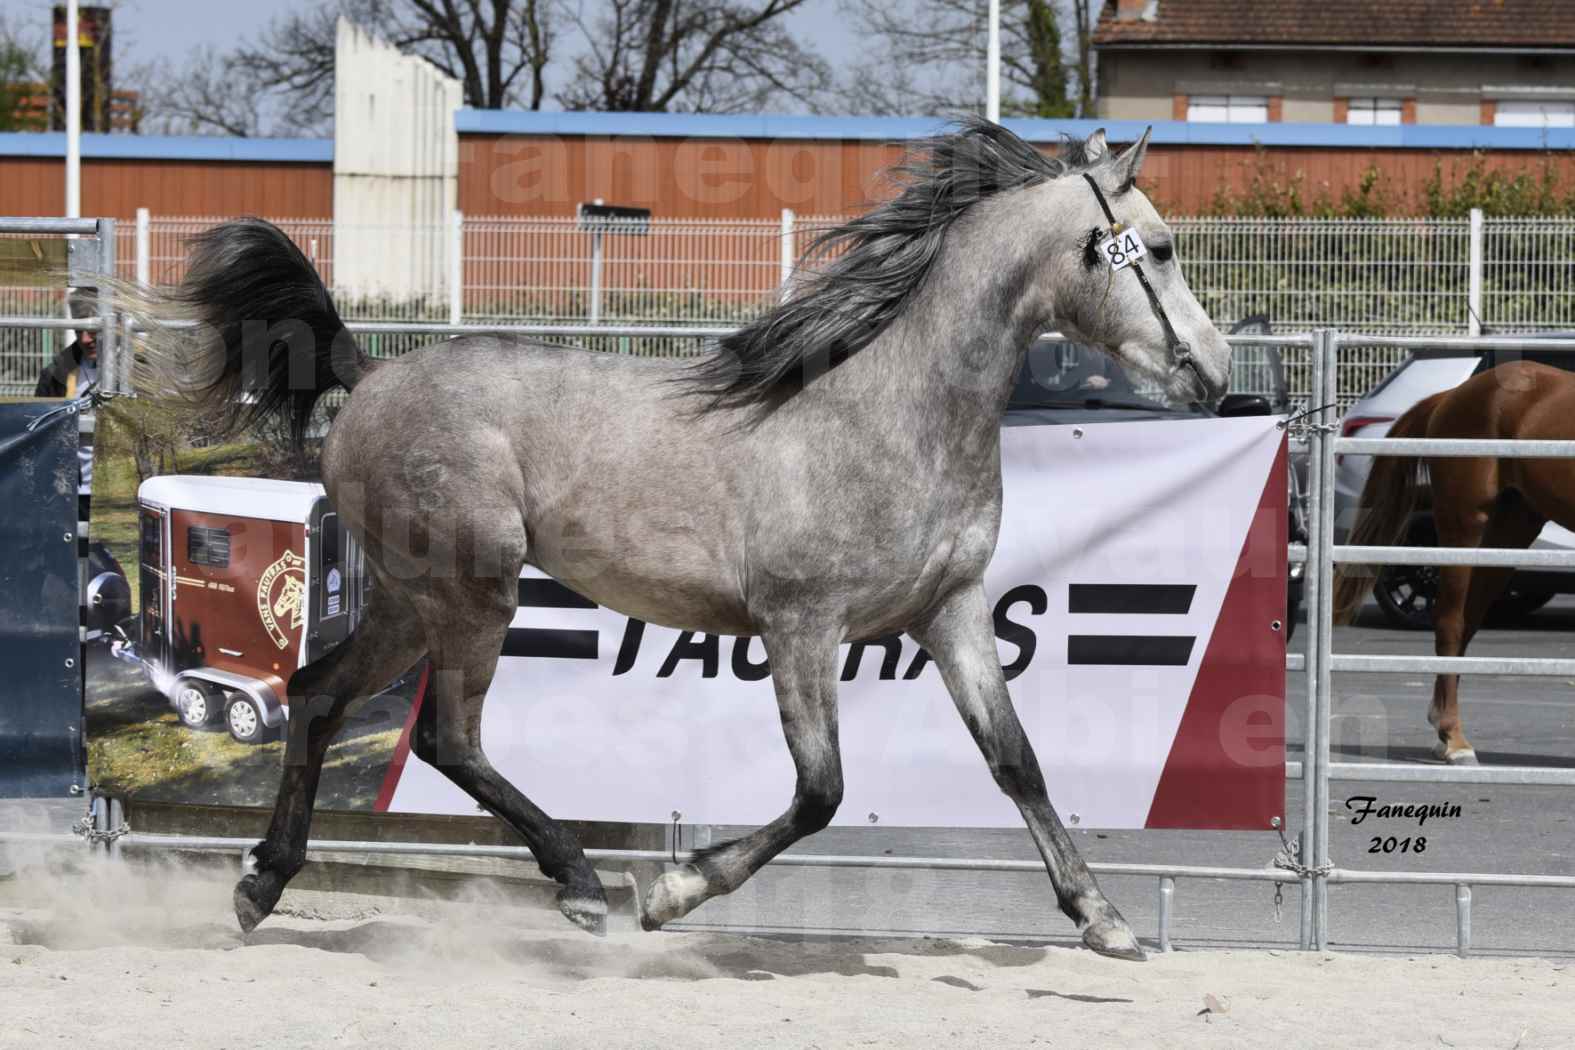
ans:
(672, 896)
(587, 912)
(1464, 756)
(1115, 939)
(253, 902)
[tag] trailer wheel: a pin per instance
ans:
(245, 720)
(198, 704)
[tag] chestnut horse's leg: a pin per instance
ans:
(1465, 595)
(386, 642)
(961, 639)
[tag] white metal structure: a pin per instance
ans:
(992, 65)
(396, 168)
(73, 112)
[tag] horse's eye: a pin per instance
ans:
(1091, 247)
(1163, 252)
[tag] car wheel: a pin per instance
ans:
(198, 704)
(245, 720)
(1406, 594)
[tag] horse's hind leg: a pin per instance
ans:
(961, 639)
(466, 629)
(386, 642)
(1465, 595)
(804, 672)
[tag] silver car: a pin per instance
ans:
(1405, 593)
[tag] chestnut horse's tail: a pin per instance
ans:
(1388, 500)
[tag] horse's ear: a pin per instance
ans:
(1130, 162)
(1096, 148)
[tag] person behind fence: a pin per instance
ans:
(73, 373)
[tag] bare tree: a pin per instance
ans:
(930, 57)
(498, 50)
(695, 55)
(209, 95)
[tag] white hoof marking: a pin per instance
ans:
(674, 894)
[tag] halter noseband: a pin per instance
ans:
(1180, 351)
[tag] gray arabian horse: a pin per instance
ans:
(831, 472)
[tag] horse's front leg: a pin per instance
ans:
(960, 636)
(804, 671)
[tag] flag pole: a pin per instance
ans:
(992, 81)
(73, 114)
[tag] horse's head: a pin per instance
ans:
(1144, 315)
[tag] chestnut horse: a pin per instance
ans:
(1476, 502)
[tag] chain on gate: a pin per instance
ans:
(1289, 859)
(85, 830)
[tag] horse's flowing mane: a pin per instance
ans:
(872, 265)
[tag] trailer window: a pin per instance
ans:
(205, 546)
(152, 534)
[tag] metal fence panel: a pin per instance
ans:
(1380, 276)
(41, 716)
(1322, 660)
(1528, 274)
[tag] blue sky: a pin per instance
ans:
(150, 30)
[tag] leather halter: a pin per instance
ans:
(1179, 349)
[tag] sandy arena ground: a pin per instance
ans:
(92, 958)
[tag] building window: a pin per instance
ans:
(1517, 113)
(1374, 111)
(208, 546)
(1228, 109)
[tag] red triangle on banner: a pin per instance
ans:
(1226, 767)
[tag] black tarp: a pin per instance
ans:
(40, 654)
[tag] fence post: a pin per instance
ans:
(456, 266)
(1323, 636)
(596, 275)
(788, 254)
(1315, 597)
(1462, 919)
(1167, 897)
(144, 249)
(114, 367)
(1474, 288)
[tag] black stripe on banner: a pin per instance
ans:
(550, 642)
(1132, 650)
(550, 594)
(1157, 598)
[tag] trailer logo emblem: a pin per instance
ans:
(281, 594)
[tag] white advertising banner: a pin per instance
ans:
(1139, 586)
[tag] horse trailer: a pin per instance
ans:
(243, 580)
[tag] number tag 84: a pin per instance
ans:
(1123, 249)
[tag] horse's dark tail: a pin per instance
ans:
(1389, 498)
(267, 342)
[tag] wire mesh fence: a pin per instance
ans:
(1528, 274)
(41, 293)
(1386, 276)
